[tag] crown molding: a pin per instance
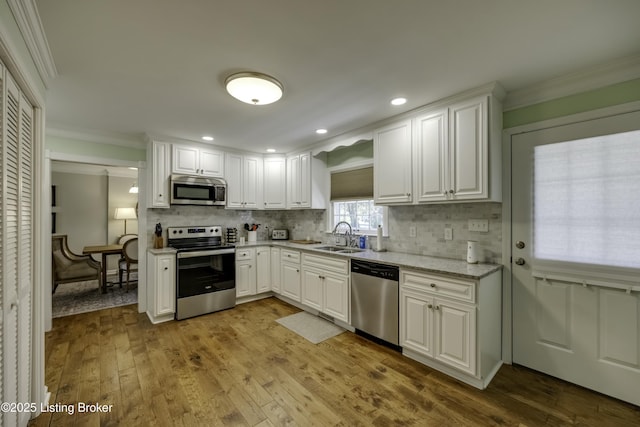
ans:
(612, 72)
(25, 12)
(99, 137)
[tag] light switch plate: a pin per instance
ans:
(448, 234)
(479, 225)
(412, 231)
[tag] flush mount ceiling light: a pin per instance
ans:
(133, 189)
(207, 138)
(321, 131)
(254, 88)
(398, 101)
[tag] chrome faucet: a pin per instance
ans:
(347, 235)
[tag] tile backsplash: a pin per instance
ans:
(430, 222)
(300, 223)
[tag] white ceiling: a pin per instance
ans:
(158, 66)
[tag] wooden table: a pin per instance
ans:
(105, 250)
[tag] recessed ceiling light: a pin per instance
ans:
(398, 101)
(271, 150)
(254, 88)
(321, 131)
(207, 138)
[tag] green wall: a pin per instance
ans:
(93, 149)
(355, 153)
(616, 94)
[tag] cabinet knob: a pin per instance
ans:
(408, 194)
(437, 307)
(166, 268)
(430, 305)
(451, 191)
(297, 271)
(433, 285)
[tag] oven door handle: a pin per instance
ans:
(208, 252)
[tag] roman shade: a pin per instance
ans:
(353, 184)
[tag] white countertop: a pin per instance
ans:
(428, 264)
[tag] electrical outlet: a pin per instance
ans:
(479, 225)
(448, 234)
(412, 232)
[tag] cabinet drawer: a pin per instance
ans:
(325, 263)
(244, 254)
(463, 290)
(290, 256)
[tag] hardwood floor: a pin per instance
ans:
(240, 367)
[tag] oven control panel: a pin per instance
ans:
(194, 232)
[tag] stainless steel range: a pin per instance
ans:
(205, 278)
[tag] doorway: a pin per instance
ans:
(574, 318)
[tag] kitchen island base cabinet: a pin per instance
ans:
(161, 276)
(452, 324)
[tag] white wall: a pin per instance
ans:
(81, 208)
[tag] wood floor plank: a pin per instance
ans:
(240, 367)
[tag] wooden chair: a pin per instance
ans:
(68, 267)
(129, 261)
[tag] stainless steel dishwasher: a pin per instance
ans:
(374, 300)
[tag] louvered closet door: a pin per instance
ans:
(17, 247)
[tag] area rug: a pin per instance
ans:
(82, 297)
(310, 327)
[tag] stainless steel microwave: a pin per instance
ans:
(198, 190)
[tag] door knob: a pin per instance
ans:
(520, 244)
(519, 261)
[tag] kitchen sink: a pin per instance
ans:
(339, 249)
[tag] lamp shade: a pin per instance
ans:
(125, 213)
(254, 88)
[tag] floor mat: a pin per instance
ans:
(310, 327)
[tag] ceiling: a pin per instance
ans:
(158, 66)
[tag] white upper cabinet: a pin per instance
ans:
(160, 171)
(244, 181)
(455, 149)
(468, 150)
(431, 156)
(192, 160)
(307, 181)
(392, 164)
(275, 184)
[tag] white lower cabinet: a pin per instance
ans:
(245, 272)
(263, 269)
(161, 277)
(325, 285)
(275, 270)
(290, 274)
(452, 324)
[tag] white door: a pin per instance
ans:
(571, 320)
(275, 183)
(336, 297)
(245, 279)
(468, 150)
(392, 163)
(431, 152)
(211, 163)
(456, 334)
(252, 182)
(263, 268)
(290, 281)
(235, 196)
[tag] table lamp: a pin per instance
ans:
(125, 213)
